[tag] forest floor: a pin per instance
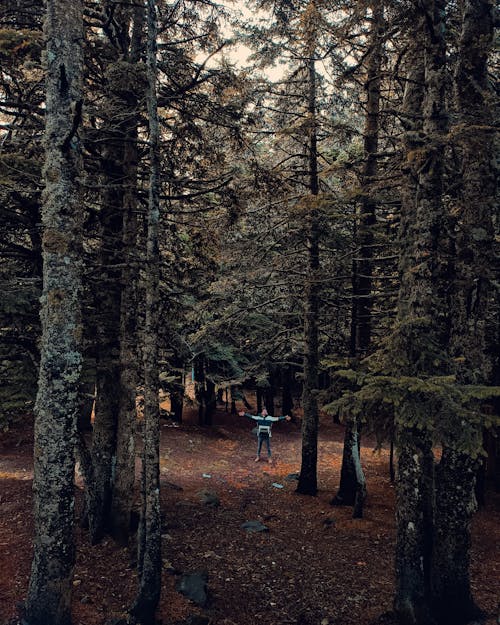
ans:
(314, 566)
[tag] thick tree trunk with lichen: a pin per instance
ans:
(149, 535)
(422, 306)
(308, 479)
(49, 593)
(414, 529)
(451, 592)
(472, 288)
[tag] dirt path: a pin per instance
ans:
(315, 565)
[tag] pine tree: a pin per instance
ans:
(352, 488)
(149, 534)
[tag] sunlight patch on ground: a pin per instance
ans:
(21, 474)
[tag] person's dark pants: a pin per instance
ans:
(264, 438)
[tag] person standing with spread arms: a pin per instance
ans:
(264, 425)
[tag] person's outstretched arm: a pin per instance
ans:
(250, 416)
(285, 417)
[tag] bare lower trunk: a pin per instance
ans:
(57, 405)
(269, 395)
(455, 504)
(346, 494)
(360, 497)
(414, 530)
(259, 400)
(103, 450)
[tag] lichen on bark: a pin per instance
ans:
(49, 593)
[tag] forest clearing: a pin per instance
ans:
(315, 565)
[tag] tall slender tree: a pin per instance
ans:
(109, 464)
(124, 475)
(49, 593)
(308, 480)
(352, 488)
(149, 535)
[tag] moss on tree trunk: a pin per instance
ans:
(57, 405)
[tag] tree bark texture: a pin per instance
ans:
(149, 537)
(476, 202)
(57, 405)
(452, 600)
(421, 303)
(414, 529)
(471, 312)
(308, 479)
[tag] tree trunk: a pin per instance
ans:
(420, 306)
(103, 452)
(259, 399)
(452, 595)
(346, 494)
(113, 440)
(270, 393)
(210, 402)
(104, 436)
(177, 398)
(200, 388)
(124, 480)
(233, 401)
(414, 529)
(362, 287)
(359, 499)
(57, 404)
(86, 395)
(392, 473)
(362, 265)
(308, 480)
(287, 399)
(149, 535)
(455, 504)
